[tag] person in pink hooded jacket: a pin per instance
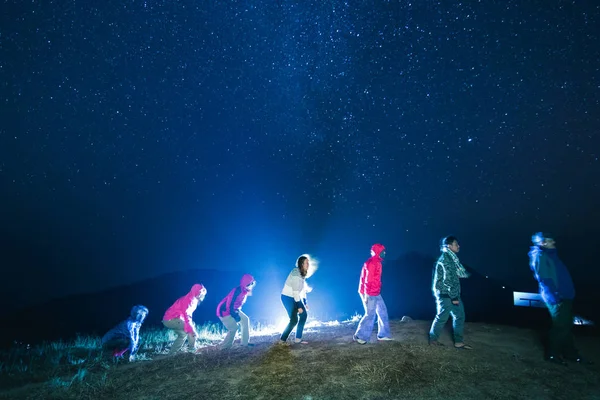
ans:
(179, 318)
(230, 312)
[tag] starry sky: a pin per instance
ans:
(140, 137)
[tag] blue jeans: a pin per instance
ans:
(445, 308)
(374, 307)
(292, 310)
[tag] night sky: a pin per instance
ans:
(139, 138)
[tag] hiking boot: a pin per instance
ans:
(359, 341)
(462, 346)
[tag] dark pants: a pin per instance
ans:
(116, 346)
(292, 310)
(445, 309)
(560, 337)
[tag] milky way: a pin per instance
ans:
(394, 114)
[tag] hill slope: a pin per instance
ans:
(406, 288)
(506, 364)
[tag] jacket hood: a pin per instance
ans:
(139, 313)
(246, 280)
(534, 253)
(197, 289)
(377, 249)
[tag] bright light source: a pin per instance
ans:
(270, 330)
(282, 324)
(577, 320)
(318, 324)
(355, 318)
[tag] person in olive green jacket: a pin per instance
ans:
(446, 290)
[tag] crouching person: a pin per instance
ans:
(125, 337)
(179, 318)
(230, 312)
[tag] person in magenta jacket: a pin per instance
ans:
(369, 289)
(179, 318)
(230, 312)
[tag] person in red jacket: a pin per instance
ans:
(179, 318)
(369, 289)
(230, 312)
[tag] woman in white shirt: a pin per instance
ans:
(293, 297)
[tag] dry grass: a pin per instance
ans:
(506, 364)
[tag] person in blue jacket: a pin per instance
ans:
(125, 337)
(558, 292)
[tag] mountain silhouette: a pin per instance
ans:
(406, 289)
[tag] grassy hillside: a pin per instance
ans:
(506, 364)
